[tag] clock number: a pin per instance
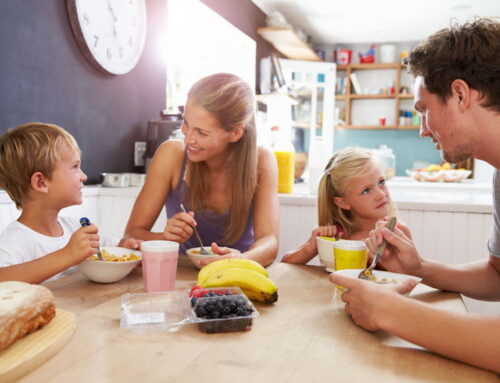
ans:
(108, 53)
(96, 40)
(120, 52)
(86, 19)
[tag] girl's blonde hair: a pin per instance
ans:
(344, 165)
(231, 101)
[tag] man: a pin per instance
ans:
(457, 92)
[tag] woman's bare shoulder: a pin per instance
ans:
(171, 151)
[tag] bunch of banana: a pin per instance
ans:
(249, 275)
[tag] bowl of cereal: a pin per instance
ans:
(117, 263)
(194, 254)
(325, 251)
(379, 277)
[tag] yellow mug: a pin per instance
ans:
(350, 254)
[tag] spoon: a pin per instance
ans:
(202, 249)
(84, 221)
(367, 273)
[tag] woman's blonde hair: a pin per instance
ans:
(342, 167)
(27, 149)
(231, 101)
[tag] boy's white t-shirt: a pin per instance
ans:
(20, 244)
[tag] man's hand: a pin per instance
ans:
(366, 301)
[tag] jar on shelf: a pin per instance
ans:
(388, 160)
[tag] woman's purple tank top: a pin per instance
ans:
(210, 224)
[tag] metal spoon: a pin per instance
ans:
(202, 249)
(367, 273)
(84, 221)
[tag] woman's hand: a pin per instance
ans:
(223, 253)
(180, 227)
(130, 243)
(400, 256)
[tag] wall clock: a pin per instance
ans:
(111, 34)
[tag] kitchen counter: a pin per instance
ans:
(408, 194)
(304, 337)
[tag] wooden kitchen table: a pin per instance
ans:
(304, 337)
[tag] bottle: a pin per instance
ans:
(388, 160)
(285, 156)
(316, 163)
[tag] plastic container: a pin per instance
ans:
(387, 53)
(388, 160)
(169, 311)
(285, 157)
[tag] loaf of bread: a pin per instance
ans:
(23, 309)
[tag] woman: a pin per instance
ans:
(227, 184)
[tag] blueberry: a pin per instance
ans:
(215, 314)
(229, 293)
(211, 294)
(193, 301)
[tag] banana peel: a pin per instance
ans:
(255, 285)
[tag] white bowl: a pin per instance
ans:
(382, 277)
(456, 175)
(195, 256)
(107, 271)
(325, 251)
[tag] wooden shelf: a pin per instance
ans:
(377, 127)
(349, 97)
(371, 96)
(287, 42)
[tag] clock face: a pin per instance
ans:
(111, 33)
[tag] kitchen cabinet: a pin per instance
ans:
(348, 96)
(288, 43)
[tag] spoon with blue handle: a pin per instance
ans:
(84, 221)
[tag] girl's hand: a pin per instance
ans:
(320, 231)
(400, 256)
(180, 227)
(223, 253)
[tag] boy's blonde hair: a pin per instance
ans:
(344, 165)
(230, 100)
(27, 149)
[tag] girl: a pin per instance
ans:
(227, 184)
(352, 197)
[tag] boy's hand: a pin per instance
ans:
(130, 243)
(83, 243)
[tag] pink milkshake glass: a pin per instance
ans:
(159, 265)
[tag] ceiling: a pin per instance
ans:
(367, 21)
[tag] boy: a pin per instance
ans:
(40, 170)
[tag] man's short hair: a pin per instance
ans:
(470, 52)
(27, 149)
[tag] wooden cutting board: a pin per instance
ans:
(34, 349)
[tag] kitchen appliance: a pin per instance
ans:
(160, 131)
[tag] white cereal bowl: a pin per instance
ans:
(195, 255)
(108, 271)
(382, 277)
(325, 251)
